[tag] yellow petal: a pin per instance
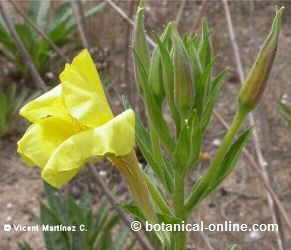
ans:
(48, 104)
(83, 93)
(41, 139)
(115, 138)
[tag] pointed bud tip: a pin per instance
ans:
(277, 20)
(141, 4)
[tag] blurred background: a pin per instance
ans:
(107, 27)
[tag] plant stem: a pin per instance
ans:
(179, 237)
(228, 139)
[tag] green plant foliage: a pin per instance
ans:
(286, 112)
(98, 225)
(24, 246)
(11, 99)
(178, 79)
(215, 175)
(190, 122)
(59, 26)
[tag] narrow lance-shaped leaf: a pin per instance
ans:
(216, 85)
(215, 175)
(230, 160)
(286, 111)
(141, 48)
(168, 80)
(155, 111)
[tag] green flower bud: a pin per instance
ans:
(156, 80)
(255, 84)
(141, 48)
(156, 75)
(183, 87)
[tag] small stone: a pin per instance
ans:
(9, 205)
(253, 236)
(216, 142)
(102, 173)
(147, 8)
(50, 75)
(8, 218)
(284, 96)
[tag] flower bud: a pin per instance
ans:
(140, 47)
(156, 75)
(183, 87)
(255, 83)
(156, 79)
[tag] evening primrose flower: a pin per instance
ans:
(73, 123)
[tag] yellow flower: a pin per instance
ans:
(72, 123)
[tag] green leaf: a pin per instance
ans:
(56, 203)
(33, 10)
(133, 210)
(106, 241)
(168, 219)
(141, 48)
(209, 182)
(7, 42)
(24, 246)
(182, 149)
(60, 34)
(154, 110)
(40, 56)
(60, 16)
(42, 13)
(202, 86)
(26, 35)
(87, 13)
(99, 221)
(54, 240)
(216, 85)
(230, 160)
(4, 109)
(157, 196)
(131, 245)
(121, 239)
(11, 99)
(76, 215)
(231, 247)
(168, 80)
(196, 140)
(286, 111)
(161, 170)
(188, 143)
